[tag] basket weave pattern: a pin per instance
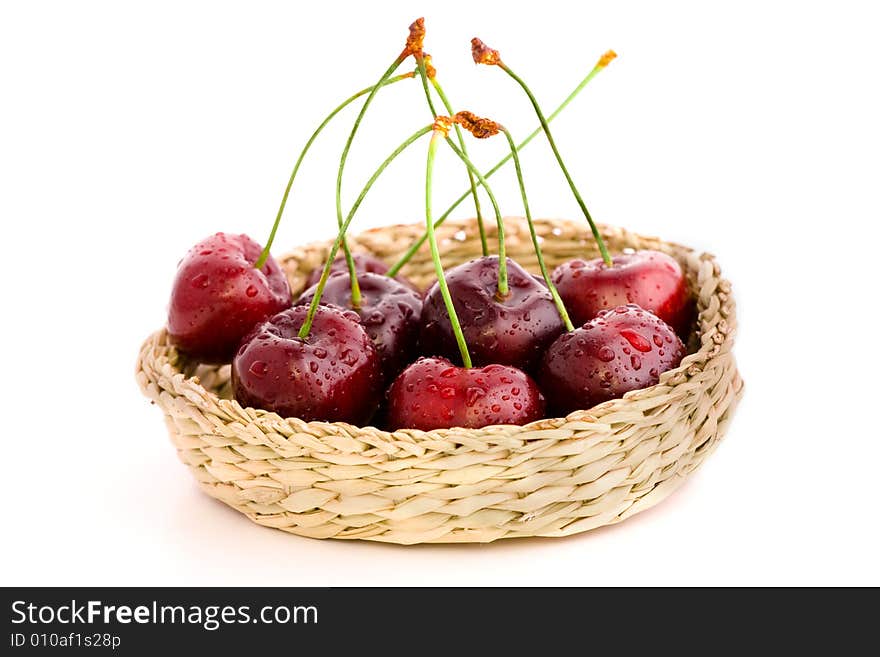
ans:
(554, 477)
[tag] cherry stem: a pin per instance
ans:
(352, 271)
(264, 255)
(411, 251)
(484, 244)
(435, 251)
(560, 306)
(340, 238)
(599, 241)
(503, 289)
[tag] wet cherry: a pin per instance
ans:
(389, 311)
(334, 375)
(218, 296)
(650, 279)
(511, 331)
(622, 349)
(363, 262)
(432, 393)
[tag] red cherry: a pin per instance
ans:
(334, 375)
(389, 311)
(218, 296)
(650, 279)
(432, 393)
(623, 349)
(363, 262)
(513, 331)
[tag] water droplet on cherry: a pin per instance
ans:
(374, 318)
(201, 281)
(474, 395)
(636, 340)
(606, 354)
(349, 357)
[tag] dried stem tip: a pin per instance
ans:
(606, 59)
(430, 71)
(483, 54)
(442, 125)
(416, 39)
(479, 127)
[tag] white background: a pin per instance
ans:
(128, 131)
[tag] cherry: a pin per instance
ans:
(511, 331)
(389, 311)
(622, 349)
(363, 262)
(314, 362)
(432, 393)
(219, 295)
(650, 279)
(334, 375)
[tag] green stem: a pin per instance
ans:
(461, 144)
(395, 269)
(503, 290)
(340, 238)
(435, 255)
(599, 241)
(355, 288)
(264, 255)
(560, 306)
(424, 77)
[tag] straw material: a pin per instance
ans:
(554, 477)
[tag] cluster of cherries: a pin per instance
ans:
(488, 343)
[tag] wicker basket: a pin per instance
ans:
(554, 477)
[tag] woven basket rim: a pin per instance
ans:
(590, 418)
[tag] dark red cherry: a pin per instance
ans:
(650, 279)
(432, 393)
(334, 375)
(389, 311)
(512, 331)
(623, 349)
(363, 262)
(218, 296)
